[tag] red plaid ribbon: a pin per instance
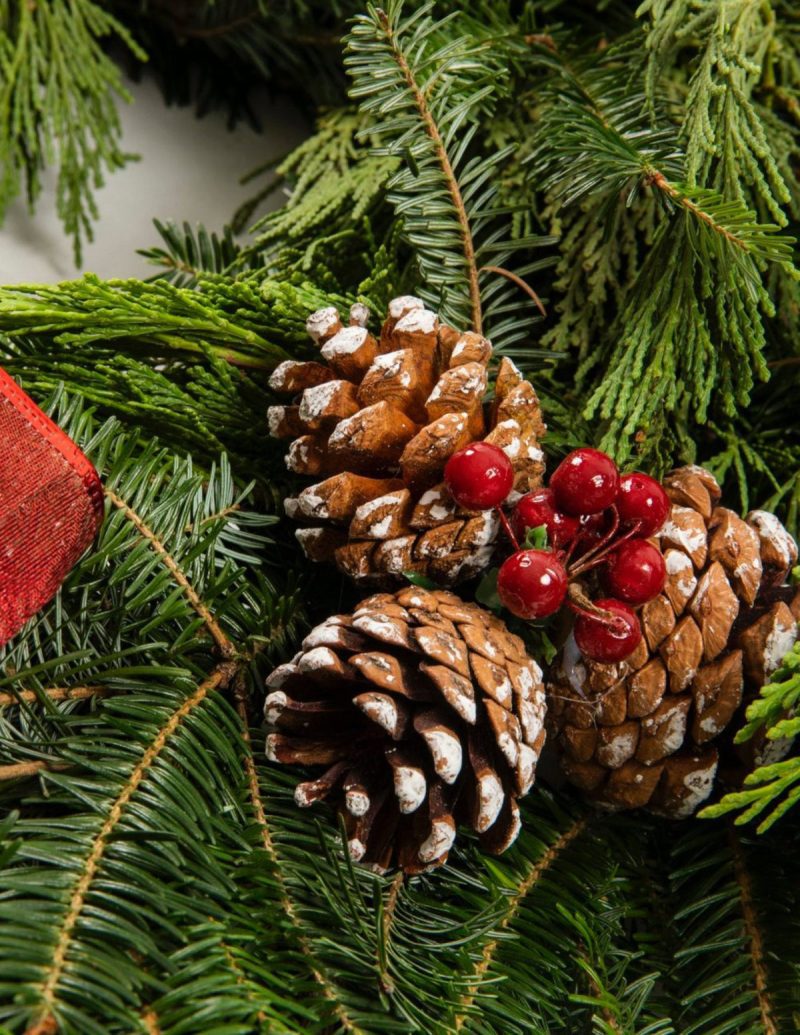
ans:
(51, 506)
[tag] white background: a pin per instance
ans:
(189, 169)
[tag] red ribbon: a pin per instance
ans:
(51, 506)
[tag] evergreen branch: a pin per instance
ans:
(223, 642)
(155, 313)
(753, 936)
(432, 129)
(270, 849)
(514, 903)
(48, 990)
(188, 253)
(427, 84)
(727, 972)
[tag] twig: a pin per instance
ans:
(21, 769)
(519, 282)
(447, 169)
(657, 179)
(384, 977)
(53, 693)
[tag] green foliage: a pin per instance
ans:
(57, 104)
(188, 253)
(773, 787)
(334, 180)
(157, 875)
(705, 256)
(427, 91)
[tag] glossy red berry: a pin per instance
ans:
(538, 508)
(642, 502)
(532, 583)
(608, 640)
(635, 571)
(585, 482)
(479, 476)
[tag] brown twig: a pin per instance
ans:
(21, 769)
(519, 282)
(53, 693)
(447, 169)
(384, 977)
(514, 905)
(655, 178)
(753, 934)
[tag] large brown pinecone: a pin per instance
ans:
(640, 733)
(426, 712)
(377, 421)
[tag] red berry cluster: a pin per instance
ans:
(596, 521)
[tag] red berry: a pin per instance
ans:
(532, 583)
(538, 508)
(642, 502)
(479, 476)
(607, 640)
(635, 571)
(585, 482)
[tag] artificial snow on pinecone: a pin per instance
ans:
(375, 424)
(641, 732)
(426, 712)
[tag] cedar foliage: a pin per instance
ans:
(636, 168)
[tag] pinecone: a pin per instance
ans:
(377, 422)
(427, 713)
(640, 733)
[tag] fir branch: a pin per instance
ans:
(515, 901)
(47, 993)
(188, 253)
(220, 638)
(427, 85)
(287, 905)
(443, 158)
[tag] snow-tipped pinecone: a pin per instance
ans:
(426, 712)
(641, 733)
(376, 423)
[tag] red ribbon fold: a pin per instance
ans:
(51, 506)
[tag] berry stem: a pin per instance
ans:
(507, 527)
(592, 558)
(579, 603)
